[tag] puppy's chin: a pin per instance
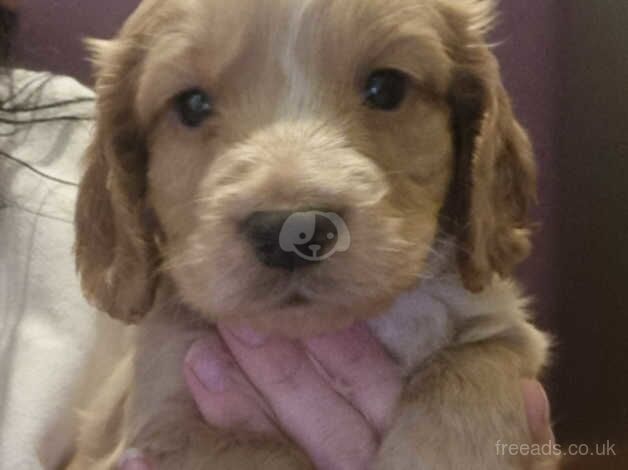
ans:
(321, 299)
(299, 304)
(298, 317)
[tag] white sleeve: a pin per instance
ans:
(46, 327)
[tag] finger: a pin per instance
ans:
(360, 369)
(537, 411)
(323, 423)
(223, 395)
(133, 459)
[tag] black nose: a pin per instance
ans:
(289, 240)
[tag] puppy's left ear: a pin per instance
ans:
(115, 253)
(494, 183)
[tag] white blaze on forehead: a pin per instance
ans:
(300, 86)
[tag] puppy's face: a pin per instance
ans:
(294, 157)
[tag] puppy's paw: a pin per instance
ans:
(464, 411)
(424, 441)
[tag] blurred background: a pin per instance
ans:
(565, 63)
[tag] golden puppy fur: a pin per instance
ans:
(435, 195)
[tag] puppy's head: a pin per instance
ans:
(291, 163)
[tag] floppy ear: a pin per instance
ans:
(494, 181)
(115, 254)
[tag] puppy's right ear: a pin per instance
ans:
(494, 181)
(115, 252)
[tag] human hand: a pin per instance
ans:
(333, 395)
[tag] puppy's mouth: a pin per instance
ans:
(294, 299)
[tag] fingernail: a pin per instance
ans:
(132, 459)
(249, 337)
(208, 367)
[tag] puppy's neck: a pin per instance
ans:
(440, 312)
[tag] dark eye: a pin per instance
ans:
(193, 107)
(385, 89)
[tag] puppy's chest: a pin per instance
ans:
(417, 326)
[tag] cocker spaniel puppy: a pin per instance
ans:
(296, 166)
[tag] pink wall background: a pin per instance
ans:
(528, 50)
(51, 31)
